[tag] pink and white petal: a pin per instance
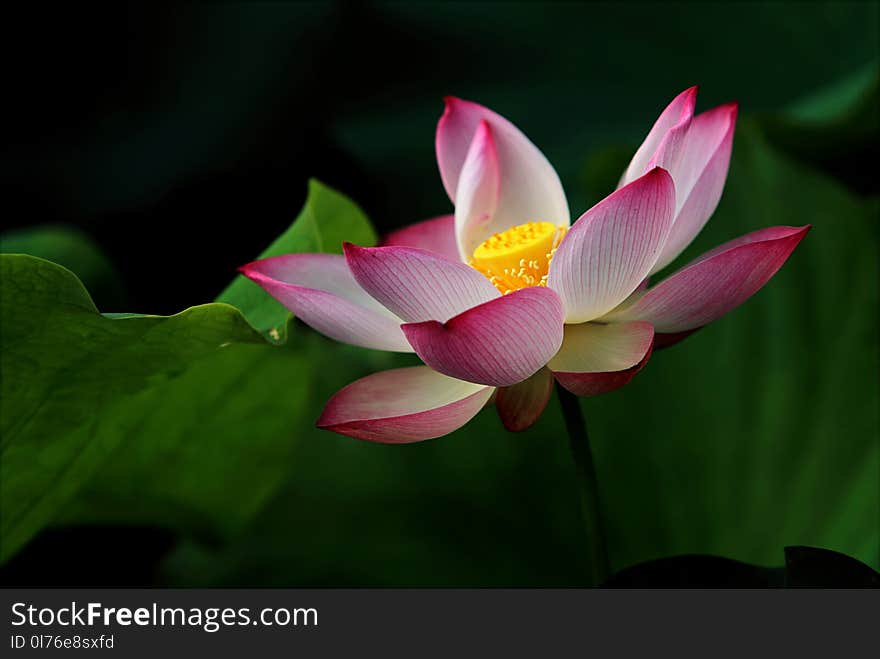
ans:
(498, 343)
(477, 192)
(519, 406)
(676, 115)
(529, 188)
(699, 174)
(403, 405)
(321, 291)
(326, 272)
(707, 133)
(435, 235)
(418, 285)
(769, 233)
(761, 235)
(593, 384)
(612, 247)
(595, 348)
(714, 284)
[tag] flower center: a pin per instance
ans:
(518, 257)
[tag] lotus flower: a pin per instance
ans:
(504, 296)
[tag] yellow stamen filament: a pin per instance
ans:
(518, 257)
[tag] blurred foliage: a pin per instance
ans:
(128, 402)
(77, 252)
(211, 445)
(757, 432)
(65, 367)
(836, 130)
(191, 447)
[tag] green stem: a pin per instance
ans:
(582, 455)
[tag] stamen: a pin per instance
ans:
(519, 257)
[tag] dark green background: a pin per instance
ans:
(179, 142)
